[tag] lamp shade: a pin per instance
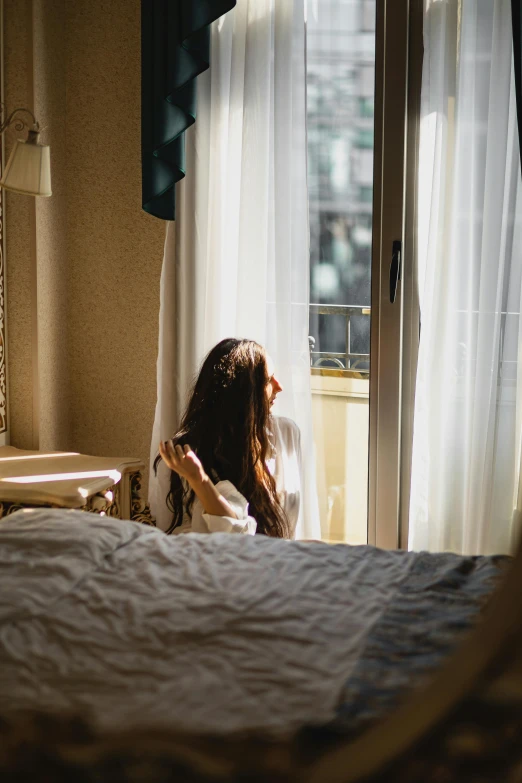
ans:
(28, 169)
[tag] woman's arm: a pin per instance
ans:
(185, 462)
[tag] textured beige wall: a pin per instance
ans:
(98, 254)
(49, 80)
(115, 249)
(19, 224)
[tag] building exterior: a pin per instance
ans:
(340, 97)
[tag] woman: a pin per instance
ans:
(234, 467)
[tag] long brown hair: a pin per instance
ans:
(226, 424)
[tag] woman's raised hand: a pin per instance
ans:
(184, 461)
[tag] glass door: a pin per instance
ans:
(356, 98)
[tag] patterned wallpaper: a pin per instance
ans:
(84, 269)
(3, 336)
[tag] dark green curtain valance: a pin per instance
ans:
(175, 48)
(517, 60)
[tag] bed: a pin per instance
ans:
(223, 636)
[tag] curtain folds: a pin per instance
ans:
(516, 17)
(468, 417)
(175, 39)
(238, 264)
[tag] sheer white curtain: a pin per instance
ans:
(467, 427)
(237, 261)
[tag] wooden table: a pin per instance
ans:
(102, 485)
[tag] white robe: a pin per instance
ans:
(285, 467)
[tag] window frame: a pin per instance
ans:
(392, 342)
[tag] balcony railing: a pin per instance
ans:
(347, 361)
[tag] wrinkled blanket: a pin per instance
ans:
(439, 601)
(128, 626)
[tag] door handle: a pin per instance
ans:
(395, 268)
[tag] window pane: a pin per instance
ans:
(340, 92)
(340, 95)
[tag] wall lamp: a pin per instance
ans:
(28, 169)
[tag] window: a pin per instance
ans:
(348, 124)
(340, 79)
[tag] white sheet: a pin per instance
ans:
(208, 633)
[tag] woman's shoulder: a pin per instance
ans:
(285, 428)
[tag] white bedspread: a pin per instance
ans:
(209, 633)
